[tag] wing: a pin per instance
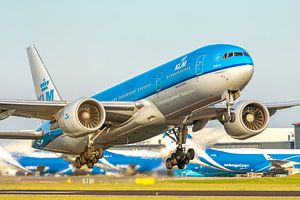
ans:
(281, 164)
(116, 112)
(214, 111)
(273, 107)
(30, 109)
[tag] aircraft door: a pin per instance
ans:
(158, 81)
(199, 64)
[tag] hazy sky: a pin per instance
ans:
(91, 45)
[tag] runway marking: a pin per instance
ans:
(190, 193)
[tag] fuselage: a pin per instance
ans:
(176, 88)
(221, 162)
(200, 62)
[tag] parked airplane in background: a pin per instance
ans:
(183, 92)
(229, 162)
(125, 161)
(149, 158)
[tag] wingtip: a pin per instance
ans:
(31, 47)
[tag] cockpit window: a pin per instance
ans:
(246, 54)
(238, 54)
(231, 54)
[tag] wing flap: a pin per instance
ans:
(119, 112)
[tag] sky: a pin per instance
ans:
(89, 46)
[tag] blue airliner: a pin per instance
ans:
(208, 162)
(186, 91)
(230, 162)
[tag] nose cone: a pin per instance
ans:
(244, 76)
(239, 77)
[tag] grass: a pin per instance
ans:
(15, 197)
(263, 184)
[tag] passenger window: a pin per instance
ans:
(230, 54)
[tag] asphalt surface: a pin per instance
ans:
(154, 193)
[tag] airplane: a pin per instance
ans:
(115, 162)
(187, 91)
(149, 158)
(230, 162)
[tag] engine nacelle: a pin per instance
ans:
(251, 118)
(199, 124)
(82, 117)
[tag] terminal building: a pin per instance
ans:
(297, 135)
(271, 138)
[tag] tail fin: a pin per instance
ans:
(45, 89)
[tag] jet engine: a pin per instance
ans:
(82, 117)
(251, 118)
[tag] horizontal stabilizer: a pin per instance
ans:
(23, 134)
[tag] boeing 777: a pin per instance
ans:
(186, 91)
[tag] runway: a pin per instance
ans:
(192, 193)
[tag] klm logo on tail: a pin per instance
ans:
(44, 85)
(47, 95)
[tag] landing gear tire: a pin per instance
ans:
(232, 117)
(228, 118)
(82, 159)
(181, 165)
(77, 163)
(191, 154)
(90, 164)
(99, 153)
(225, 117)
(88, 154)
(187, 161)
(169, 164)
(94, 160)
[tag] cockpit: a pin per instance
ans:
(232, 54)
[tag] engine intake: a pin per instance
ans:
(82, 117)
(252, 117)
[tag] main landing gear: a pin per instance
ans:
(91, 155)
(180, 157)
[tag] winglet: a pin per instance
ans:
(45, 89)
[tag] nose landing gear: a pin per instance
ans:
(180, 157)
(229, 115)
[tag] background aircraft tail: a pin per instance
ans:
(45, 89)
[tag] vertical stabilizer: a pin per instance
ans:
(45, 89)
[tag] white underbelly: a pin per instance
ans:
(201, 88)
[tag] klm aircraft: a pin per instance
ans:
(186, 91)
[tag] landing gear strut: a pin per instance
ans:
(90, 156)
(180, 157)
(229, 115)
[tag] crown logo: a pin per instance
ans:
(44, 85)
(183, 59)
